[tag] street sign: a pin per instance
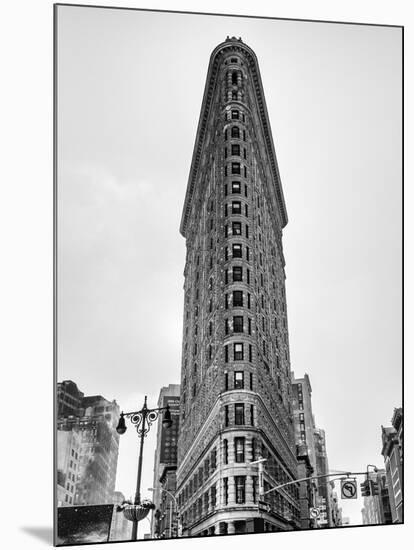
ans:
(264, 506)
(348, 488)
(314, 513)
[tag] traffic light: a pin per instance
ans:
(365, 488)
(374, 488)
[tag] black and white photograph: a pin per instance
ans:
(228, 270)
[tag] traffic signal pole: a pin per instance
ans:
(282, 485)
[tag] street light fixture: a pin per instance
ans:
(142, 420)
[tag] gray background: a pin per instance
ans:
(130, 91)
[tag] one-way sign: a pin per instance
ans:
(264, 506)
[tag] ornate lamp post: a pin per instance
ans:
(142, 421)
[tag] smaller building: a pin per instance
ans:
(392, 451)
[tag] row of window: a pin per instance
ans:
(238, 381)
(238, 417)
(234, 114)
(235, 189)
(235, 170)
(235, 151)
(234, 134)
(238, 352)
(237, 299)
(237, 274)
(236, 229)
(201, 507)
(236, 208)
(199, 478)
(236, 251)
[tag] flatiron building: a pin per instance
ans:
(235, 374)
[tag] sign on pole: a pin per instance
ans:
(314, 513)
(348, 488)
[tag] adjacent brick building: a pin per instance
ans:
(392, 451)
(236, 378)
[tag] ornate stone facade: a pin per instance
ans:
(236, 378)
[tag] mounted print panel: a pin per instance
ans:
(228, 262)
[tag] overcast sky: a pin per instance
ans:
(130, 87)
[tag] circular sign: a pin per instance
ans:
(314, 513)
(348, 489)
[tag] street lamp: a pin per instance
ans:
(142, 420)
(153, 489)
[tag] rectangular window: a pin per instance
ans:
(226, 253)
(225, 171)
(226, 276)
(226, 381)
(226, 301)
(226, 354)
(235, 168)
(252, 415)
(226, 491)
(235, 132)
(226, 327)
(236, 228)
(226, 415)
(225, 189)
(248, 276)
(239, 414)
(247, 253)
(238, 323)
(245, 171)
(235, 149)
(234, 114)
(226, 230)
(235, 187)
(244, 135)
(250, 353)
(213, 496)
(248, 301)
(249, 322)
(237, 273)
(237, 298)
(246, 211)
(245, 190)
(254, 482)
(225, 152)
(239, 449)
(247, 231)
(251, 382)
(236, 207)
(244, 153)
(238, 380)
(240, 484)
(237, 251)
(238, 351)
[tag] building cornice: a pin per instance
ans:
(232, 45)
